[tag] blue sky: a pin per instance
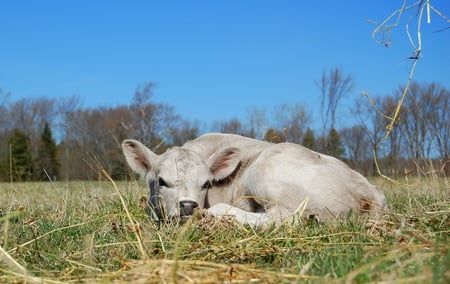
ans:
(211, 60)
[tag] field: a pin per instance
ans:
(98, 232)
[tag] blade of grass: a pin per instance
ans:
(137, 230)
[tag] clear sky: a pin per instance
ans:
(212, 60)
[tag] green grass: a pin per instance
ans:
(85, 232)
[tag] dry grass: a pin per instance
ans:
(97, 232)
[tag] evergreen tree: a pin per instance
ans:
(19, 161)
(274, 136)
(334, 145)
(309, 140)
(48, 164)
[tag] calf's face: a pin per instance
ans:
(180, 178)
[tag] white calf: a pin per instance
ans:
(256, 182)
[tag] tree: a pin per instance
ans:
(424, 123)
(47, 163)
(418, 144)
(357, 146)
(150, 123)
(185, 131)
(309, 141)
(234, 126)
(274, 136)
(370, 117)
(3, 110)
(19, 157)
(4, 130)
(30, 116)
(74, 138)
(333, 86)
(391, 152)
(93, 141)
(258, 121)
(439, 118)
(293, 119)
(334, 145)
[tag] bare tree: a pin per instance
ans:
(186, 130)
(421, 134)
(94, 136)
(71, 144)
(371, 118)
(150, 123)
(424, 122)
(258, 121)
(357, 145)
(3, 99)
(4, 123)
(333, 86)
(382, 34)
(234, 126)
(439, 118)
(144, 113)
(30, 116)
(413, 122)
(293, 119)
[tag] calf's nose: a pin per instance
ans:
(187, 208)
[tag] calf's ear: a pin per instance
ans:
(138, 156)
(223, 163)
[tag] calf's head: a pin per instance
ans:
(179, 179)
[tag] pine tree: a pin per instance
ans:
(334, 145)
(309, 140)
(20, 163)
(48, 164)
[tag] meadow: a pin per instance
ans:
(98, 232)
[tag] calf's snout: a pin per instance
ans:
(187, 208)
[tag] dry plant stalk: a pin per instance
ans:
(384, 28)
(136, 227)
(95, 164)
(195, 271)
(16, 268)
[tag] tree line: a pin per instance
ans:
(58, 139)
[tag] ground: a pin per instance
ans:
(99, 232)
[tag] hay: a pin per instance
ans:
(187, 271)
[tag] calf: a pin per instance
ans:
(254, 181)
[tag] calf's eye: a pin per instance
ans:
(162, 182)
(206, 185)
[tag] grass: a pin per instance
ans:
(99, 232)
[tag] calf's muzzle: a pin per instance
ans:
(187, 208)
